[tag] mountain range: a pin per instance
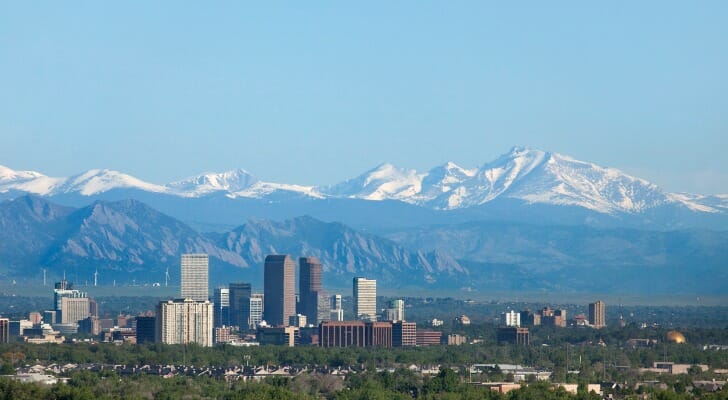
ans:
(128, 241)
(521, 179)
(529, 220)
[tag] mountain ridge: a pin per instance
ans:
(534, 176)
(128, 240)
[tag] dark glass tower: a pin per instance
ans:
(279, 285)
(239, 297)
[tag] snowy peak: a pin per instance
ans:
(524, 174)
(230, 181)
(530, 175)
(97, 181)
(381, 183)
(10, 175)
(26, 181)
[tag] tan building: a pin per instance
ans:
(553, 317)
(279, 336)
(455, 339)
(355, 334)
(184, 321)
(74, 309)
(35, 318)
(404, 334)
(428, 337)
(597, 314)
(194, 277)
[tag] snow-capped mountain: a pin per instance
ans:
(385, 182)
(97, 181)
(533, 176)
(231, 181)
(526, 175)
(537, 176)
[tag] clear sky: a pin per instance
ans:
(316, 92)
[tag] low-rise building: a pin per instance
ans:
(426, 337)
(279, 336)
(455, 339)
(513, 335)
(355, 334)
(404, 334)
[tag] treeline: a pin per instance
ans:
(368, 385)
(592, 360)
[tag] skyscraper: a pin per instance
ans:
(194, 270)
(184, 321)
(309, 287)
(240, 293)
(222, 307)
(64, 290)
(255, 311)
(365, 299)
(279, 282)
(74, 309)
(597, 314)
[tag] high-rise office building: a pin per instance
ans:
(365, 299)
(597, 314)
(240, 293)
(279, 280)
(194, 277)
(74, 309)
(323, 308)
(221, 300)
(184, 321)
(309, 287)
(255, 311)
(64, 289)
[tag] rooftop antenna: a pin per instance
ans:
(96, 277)
(166, 277)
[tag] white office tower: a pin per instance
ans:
(256, 311)
(194, 277)
(184, 321)
(511, 318)
(395, 312)
(337, 311)
(365, 299)
(336, 302)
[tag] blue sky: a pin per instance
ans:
(317, 92)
